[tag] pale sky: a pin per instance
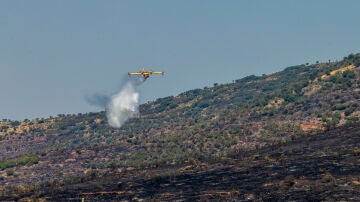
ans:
(55, 53)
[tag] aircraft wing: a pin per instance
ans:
(135, 73)
(156, 72)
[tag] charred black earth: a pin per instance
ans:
(318, 167)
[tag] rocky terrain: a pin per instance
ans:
(317, 167)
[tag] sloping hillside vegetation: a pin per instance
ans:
(203, 125)
(318, 167)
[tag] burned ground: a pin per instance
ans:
(318, 167)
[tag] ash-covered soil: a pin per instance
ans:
(321, 167)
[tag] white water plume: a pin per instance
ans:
(124, 105)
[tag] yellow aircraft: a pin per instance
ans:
(144, 73)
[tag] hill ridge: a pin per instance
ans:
(200, 125)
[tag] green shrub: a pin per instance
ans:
(341, 106)
(27, 159)
(10, 172)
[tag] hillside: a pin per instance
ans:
(199, 128)
(313, 168)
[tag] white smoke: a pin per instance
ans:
(124, 105)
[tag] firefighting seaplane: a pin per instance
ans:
(145, 74)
